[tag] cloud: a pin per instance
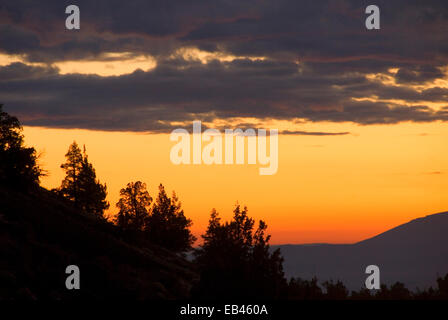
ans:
(321, 31)
(15, 39)
(182, 91)
(418, 74)
(366, 112)
(283, 60)
(20, 71)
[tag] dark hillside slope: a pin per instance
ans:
(40, 235)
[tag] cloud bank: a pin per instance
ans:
(282, 60)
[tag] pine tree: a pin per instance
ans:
(18, 164)
(70, 187)
(92, 195)
(167, 224)
(134, 205)
(235, 260)
(80, 184)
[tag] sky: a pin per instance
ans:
(362, 114)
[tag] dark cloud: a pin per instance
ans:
(184, 92)
(317, 55)
(366, 112)
(312, 30)
(16, 40)
(418, 74)
(20, 71)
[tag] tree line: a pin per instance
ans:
(234, 260)
(161, 221)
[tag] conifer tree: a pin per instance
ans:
(235, 260)
(70, 187)
(92, 196)
(134, 206)
(167, 224)
(80, 184)
(18, 164)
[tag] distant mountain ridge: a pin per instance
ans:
(414, 253)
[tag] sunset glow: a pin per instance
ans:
(337, 189)
(361, 112)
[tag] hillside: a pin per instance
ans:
(40, 235)
(414, 253)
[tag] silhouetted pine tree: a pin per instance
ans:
(235, 260)
(18, 164)
(167, 225)
(134, 206)
(92, 195)
(80, 184)
(70, 186)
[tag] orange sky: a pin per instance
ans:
(328, 188)
(336, 189)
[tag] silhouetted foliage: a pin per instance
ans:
(235, 261)
(167, 225)
(299, 289)
(429, 294)
(397, 291)
(134, 206)
(442, 284)
(363, 294)
(335, 291)
(70, 187)
(80, 184)
(18, 164)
